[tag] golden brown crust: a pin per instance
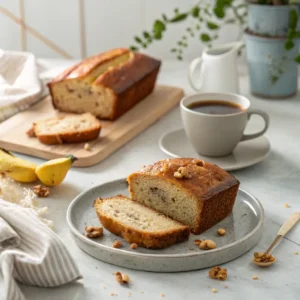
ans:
(145, 239)
(87, 65)
(206, 179)
(51, 139)
(214, 188)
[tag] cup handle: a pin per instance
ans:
(194, 64)
(266, 119)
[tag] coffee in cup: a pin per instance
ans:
(215, 122)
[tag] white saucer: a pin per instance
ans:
(247, 153)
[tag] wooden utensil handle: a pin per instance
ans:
(289, 224)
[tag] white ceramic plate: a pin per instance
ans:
(247, 153)
(244, 228)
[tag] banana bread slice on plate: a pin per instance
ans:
(191, 191)
(139, 224)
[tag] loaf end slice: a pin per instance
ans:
(67, 129)
(139, 224)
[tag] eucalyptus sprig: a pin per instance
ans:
(205, 21)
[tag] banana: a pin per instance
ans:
(17, 168)
(53, 172)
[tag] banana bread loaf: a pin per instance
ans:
(191, 191)
(139, 224)
(107, 84)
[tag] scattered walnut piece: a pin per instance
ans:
(87, 147)
(93, 232)
(197, 162)
(182, 172)
(129, 294)
(296, 253)
(286, 205)
(162, 294)
(218, 273)
(178, 175)
(214, 290)
(113, 294)
(122, 278)
(41, 191)
(117, 244)
(207, 245)
(225, 287)
(260, 257)
(89, 228)
(133, 246)
(254, 277)
(221, 231)
(30, 132)
(197, 242)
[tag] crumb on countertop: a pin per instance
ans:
(286, 205)
(254, 277)
(214, 290)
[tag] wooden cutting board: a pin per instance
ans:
(113, 135)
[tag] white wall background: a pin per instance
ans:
(108, 23)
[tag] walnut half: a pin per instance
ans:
(41, 191)
(182, 172)
(218, 273)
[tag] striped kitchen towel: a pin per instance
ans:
(30, 253)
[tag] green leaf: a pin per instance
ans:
(146, 35)
(164, 17)
(293, 18)
(173, 50)
(157, 35)
(198, 27)
(138, 40)
(212, 26)
(205, 37)
(133, 48)
(179, 57)
(289, 44)
(159, 26)
(219, 12)
(176, 10)
(179, 18)
(195, 11)
(297, 59)
(184, 37)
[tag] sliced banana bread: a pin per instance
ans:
(107, 84)
(191, 191)
(139, 224)
(67, 129)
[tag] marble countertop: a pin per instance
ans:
(274, 182)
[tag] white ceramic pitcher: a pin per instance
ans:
(218, 69)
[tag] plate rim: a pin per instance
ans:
(230, 168)
(84, 239)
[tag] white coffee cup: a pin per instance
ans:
(218, 134)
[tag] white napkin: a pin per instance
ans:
(30, 252)
(20, 86)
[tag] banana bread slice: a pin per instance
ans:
(67, 129)
(139, 224)
(107, 84)
(191, 191)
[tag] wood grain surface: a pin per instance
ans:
(113, 135)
